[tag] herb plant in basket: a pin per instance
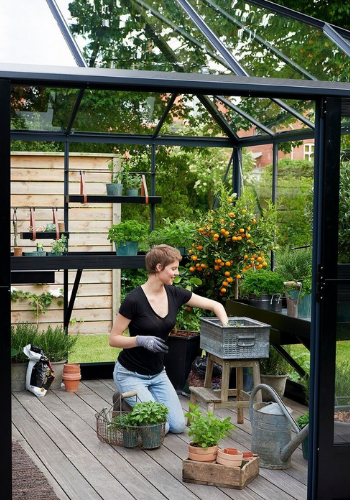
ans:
(150, 418)
(59, 246)
(263, 287)
(206, 430)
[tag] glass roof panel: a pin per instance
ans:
(191, 118)
(150, 35)
(268, 44)
(29, 34)
(266, 115)
(120, 112)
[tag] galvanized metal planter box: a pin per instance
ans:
(220, 475)
(244, 338)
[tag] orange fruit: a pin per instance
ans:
(230, 279)
(238, 276)
(216, 268)
(192, 269)
(194, 257)
(228, 263)
(241, 230)
(225, 283)
(201, 230)
(223, 290)
(227, 273)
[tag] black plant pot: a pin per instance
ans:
(182, 352)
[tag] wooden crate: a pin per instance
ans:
(214, 474)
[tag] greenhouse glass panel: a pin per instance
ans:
(191, 118)
(132, 34)
(120, 112)
(41, 108)
(268, 44)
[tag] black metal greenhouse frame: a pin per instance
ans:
(323, 484)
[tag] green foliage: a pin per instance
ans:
(117, 176)
(303, 420)
(275, 364)
(344, 213)
(179, 233)
(120, 421)
(205, 428)
(296, 265)
(261, 281)
(129, 230)
(22, 334)
(39, 302)
(294, 203)
(188, 317)
(342, 380)
(230, 239)
(56, 343)
(59, 246)
(148, 412)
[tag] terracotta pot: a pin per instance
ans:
(248, 455)
(17, 251)
(200, 454)
(230, 457)
(71, 381)
(71, 368)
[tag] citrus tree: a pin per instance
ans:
(229, 240)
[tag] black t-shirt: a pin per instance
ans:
(144, 321)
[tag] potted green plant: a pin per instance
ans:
(206, 430)
(127, 235)
(179, 234)
(22, 334)
(57, 344)
(263, 288)
(296, 266)
(58, 246)
(132, 182)
(115, 187)
(274, 372)
(150, 418)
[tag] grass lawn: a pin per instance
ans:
(93, 349)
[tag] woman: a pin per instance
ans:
(150, 312)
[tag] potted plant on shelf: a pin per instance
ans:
(132, 182)
(150, 418)
(206, 430)
(274, 372)
(115, 187)
(127, 235)
(179, 234)
(22, 334)
(263, 288)
(58, 246)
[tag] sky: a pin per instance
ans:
(29, 34)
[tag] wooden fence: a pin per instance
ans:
(37, 180)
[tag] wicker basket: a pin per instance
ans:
(244, 338)
(142, 437)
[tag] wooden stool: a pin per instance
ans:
(218, 398)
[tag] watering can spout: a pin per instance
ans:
(287, 451)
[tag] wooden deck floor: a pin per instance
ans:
(59, 433)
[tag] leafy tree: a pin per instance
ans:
(332, 11)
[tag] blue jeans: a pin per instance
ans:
(152, 388)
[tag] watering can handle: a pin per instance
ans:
(277, 399)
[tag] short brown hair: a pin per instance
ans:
(161, 254)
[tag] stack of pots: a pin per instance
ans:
(71, 376)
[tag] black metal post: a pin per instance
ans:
(5, 291)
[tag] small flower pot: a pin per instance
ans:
(151, 436)
(71, 381)
(114, 189)
(200, 454)
(132, 192)
(130, 438)
(127, 248)
(17, 251)
(230, 457)
(71, 368)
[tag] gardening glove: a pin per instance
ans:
(154, 344)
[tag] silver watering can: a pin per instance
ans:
(271, 431)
